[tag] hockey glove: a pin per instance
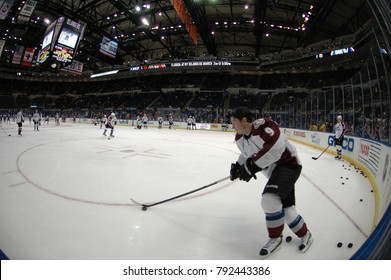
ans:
(250, 168)
(236, 170)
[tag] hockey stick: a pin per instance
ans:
(315, 158)
(4, 131)
(145, 206)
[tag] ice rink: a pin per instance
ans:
(65, 193)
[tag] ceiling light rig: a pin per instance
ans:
(144, 21)
(306, 16)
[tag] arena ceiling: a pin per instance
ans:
(153, 29)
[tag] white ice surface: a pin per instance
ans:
(65, 194)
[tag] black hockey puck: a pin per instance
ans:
(361, 199)
(339, 245)
(343, 183)
(350, 245)
(341, 177)
(288, 239)
(144, 208)
(371, 190)
(347, 178)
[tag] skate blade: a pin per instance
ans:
(271, 253)
(305, 249)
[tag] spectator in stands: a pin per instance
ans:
(322, 127)
(313, 126)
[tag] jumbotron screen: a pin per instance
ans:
(68, 38)
(48, 39)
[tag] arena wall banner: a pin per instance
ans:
(28, 56)
(108, 47)
(17, 54)
(5, 7)
(27, 10)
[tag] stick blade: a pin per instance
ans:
(139, 203)
(143, 206)
(136, 202)
(314, 158)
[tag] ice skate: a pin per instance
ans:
(271, 247)
(306, 242)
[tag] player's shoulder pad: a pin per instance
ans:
(258, 123)
(261, 122)
(238, 136)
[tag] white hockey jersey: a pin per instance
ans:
(267, 146)
(111, 120)
(339, 129)
(36, 117)
(19, 117)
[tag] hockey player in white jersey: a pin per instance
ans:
(160, 121)
(36, 120)
(339, 130)
(145, 121)
(111, 119)
(19, 121)
(189, 122)
(57, 119)
(193, 123)
(170, 121)
(103, 121)
(139, 122)
(265, 148)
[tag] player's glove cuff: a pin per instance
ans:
(236, 170)
(250, 168)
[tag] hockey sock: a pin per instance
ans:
(272, 206)
(295, 222)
